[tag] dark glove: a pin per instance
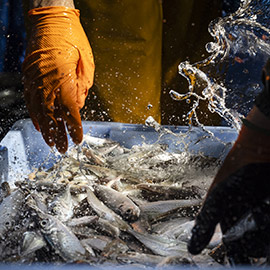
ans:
(241, 197)
(240, 189)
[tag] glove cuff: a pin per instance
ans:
(263, 99)
(250, 125)
(53, 10)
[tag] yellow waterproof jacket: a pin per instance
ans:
(137, 47)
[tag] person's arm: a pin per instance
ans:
(50, 3)
(240, 187)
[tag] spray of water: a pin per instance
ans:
(229, 78)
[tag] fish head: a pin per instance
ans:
(5, 226)
(46, 225)
(32, 241)
(61, 212)
(130, 213)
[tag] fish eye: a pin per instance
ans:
(129, 211)
(17, 227)
(54, 210)
(9, 223)
(43, 223)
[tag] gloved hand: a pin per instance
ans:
(242, 193)
(58, 71)
(240, 187)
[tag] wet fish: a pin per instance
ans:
(103, 172)
(82, 221)
(115, 247)
(95, 141)
(81, 226)
(9, 210)
(118, 202)
(154, 210)
(97, 242)
(94, 157)
(162, 192)
(32, 241)
(245, 224)
(88, 249)
(59, 236)
(62, 205)
(107, 227)
(83, 231)
(104, 212)
(161, 245)
(176, 228)
(39, 200)
(114, 150)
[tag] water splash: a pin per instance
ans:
(229, 79)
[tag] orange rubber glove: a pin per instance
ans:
(58, 71)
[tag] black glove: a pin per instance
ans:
(240, 204)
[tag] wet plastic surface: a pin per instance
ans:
(27, 150)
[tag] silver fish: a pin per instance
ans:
(114, 150)
(97, 242)
(95, 141)
(165, 192)
(177, 228)
(9, 210)
(62, 205)
(118, 202)
(82, 221)
(104, 212)
(60, 237)
(155, 210)
(108, 227)
(83, 231)
(161, 245)
(39, 200)
(115, 247)
(245, 224)
(94, 157)
(32, 241)
(105, 173)
(80, 226)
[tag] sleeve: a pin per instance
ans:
(263, 99)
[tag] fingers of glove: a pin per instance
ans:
(33, 118)
(52, 128)
(229, 201)
(47, 127)
(60, 139)
(70, 109)
(206, 222)
(224, 196)
(74, 124)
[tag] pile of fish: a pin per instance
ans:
(102, 203)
